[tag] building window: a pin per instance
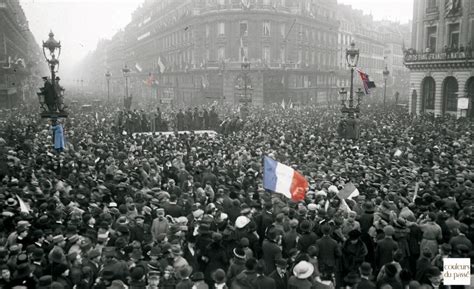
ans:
(244, 53)
(431, 38)
(221, 29)
(244, 28)
(207, 30)
(454, 35)
(266, 28)
(266, 54)
(283, 30)
(266, 2)
(300, 56)
(221, 53)
(450, 94)
(222, 2)
(428, 93)
(282, 54)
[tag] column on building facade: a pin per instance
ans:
(416, 80)
(439, 79)
(462, 78)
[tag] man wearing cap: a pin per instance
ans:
(271, 250)
(120, 268)
(160, 225)
(329, 252)
(280, 275)
(365, 270)
(92, 260)
(385, 248)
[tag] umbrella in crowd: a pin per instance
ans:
(114, 209)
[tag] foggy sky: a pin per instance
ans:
(80, 24)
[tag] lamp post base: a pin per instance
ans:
(49, 114)
(349, 129)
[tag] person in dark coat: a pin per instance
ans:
(248, 278)
(271, 250)
(215, 257)
(237, 264)
(353, 253)
(180, 120)
(264, 220)
(390, 278)
(385, 248)
(365, 274)
(307, 238)
(423, 264)
(366, 221)
(262, 281)
(280, 275)
(172, 208)
(190, 253)
(329, 252)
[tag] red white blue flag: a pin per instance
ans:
(282, 179)
(364, 77)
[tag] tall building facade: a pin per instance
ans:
(230, 51)
(441, 61)
(380, 44)
(20, 56)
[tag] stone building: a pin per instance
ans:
(21, 60)
(441, 62)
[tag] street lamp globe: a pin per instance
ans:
(52, 45)
(386, 73)
(352, 55)
(108, 75)
(125, 71)
(343, 96)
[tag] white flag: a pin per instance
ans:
(161, 65)
(23, 206)
(138, 67)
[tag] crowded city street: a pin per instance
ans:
(236, 144)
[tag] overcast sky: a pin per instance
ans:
(79, 24)
(397, 10)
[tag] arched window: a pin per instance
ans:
(428, 93)
(450, 94)
(470, 95)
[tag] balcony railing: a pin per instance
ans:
(431, 10)
(444, 56)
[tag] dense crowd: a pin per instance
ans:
(138, 121)
(116, 210)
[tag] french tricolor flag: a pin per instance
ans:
(282, 179)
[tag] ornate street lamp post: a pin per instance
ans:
(246, 98)
(51, 92)
(349, 128)
(385, 73)
(108, 75)
(53, 61)
(126, 74)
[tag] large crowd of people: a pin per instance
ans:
(117, 210)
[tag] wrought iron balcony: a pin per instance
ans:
(442, 56)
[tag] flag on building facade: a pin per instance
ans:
(242, 49)
(282, 179)
(366, 81)
(245, 4)
(161, 65)
(138, 67)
